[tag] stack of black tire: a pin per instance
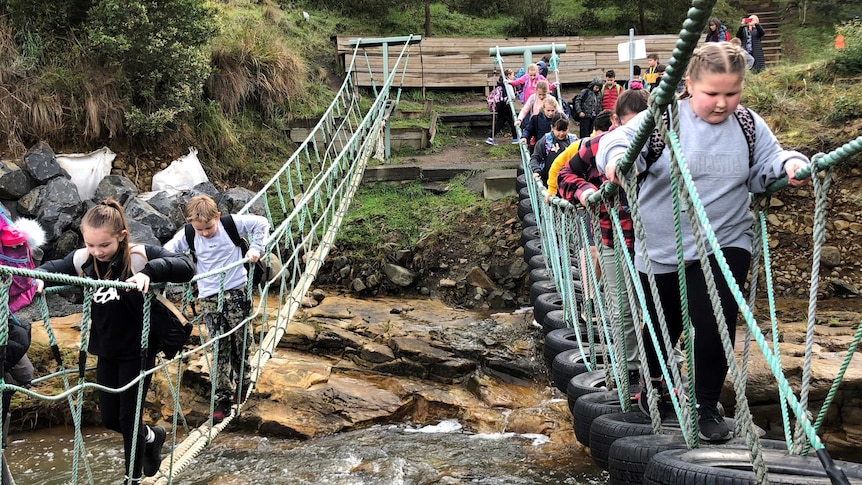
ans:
(624, 443)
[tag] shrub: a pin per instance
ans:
(158, 49)
(253, 68)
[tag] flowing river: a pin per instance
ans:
(380, 455)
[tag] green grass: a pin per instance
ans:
(387, 214)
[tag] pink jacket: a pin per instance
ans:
(530, 86)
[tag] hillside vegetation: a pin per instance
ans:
(149, 78)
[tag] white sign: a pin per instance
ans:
(640, 50)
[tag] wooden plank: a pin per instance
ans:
(432, 65)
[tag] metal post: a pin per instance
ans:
(631, 55)
(384, 44)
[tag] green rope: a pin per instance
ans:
(821, 190)
(702, 231)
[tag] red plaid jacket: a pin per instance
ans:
(581, 174)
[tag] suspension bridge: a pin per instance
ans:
(307, 199)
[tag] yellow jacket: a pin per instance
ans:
(561, 159)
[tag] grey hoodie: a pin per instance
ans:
(717, 157)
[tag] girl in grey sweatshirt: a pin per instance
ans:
(716, 151)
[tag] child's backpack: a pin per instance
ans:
(261, 270)
(494, 97)
(656, 144)
(15, 253)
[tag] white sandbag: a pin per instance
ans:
(87, 170)
(182, 174)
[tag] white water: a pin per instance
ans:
(381, 455)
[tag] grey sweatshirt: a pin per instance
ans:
(717, 156)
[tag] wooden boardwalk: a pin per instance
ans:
(448, 63)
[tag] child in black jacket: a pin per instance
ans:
(117, 323)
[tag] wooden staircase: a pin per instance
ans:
(771, 15)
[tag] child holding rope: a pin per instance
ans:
(117, 323)
(715, 132)
(208, 235)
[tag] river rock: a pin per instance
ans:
(830, 256)
(14, 182)
(399, 275)
(478, 278)
(42, 163)
(116, 187)
(142, 233)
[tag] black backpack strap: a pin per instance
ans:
(749, 129)
(655, 145)
(230, 226)
(190, 237)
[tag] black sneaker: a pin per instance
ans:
(222, 409)
(635, 385)
(712, 426)
(665, 405)
(153, 451)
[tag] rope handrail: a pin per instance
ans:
(311, 192)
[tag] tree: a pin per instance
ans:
(159, 49)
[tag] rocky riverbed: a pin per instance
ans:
(350, 363)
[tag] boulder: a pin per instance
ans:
(41, 162)
(116, 187)
(14, 182)
(142, 233)
(141, 211)
(399, 275)
(234, 199)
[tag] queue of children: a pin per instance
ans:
(710, 116)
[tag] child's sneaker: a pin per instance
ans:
(665, 405)
(222, 409)
(712, 426)
(635, 385)
(153, 451)
(491, 141)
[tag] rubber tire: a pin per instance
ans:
(546, 303)
(611, 427)
(539, 274)
(555, 320)
(520, 182)
(538, 262)
(523, 193)
(519, 170)
(532, 248)
(696, 466)
(540, 288)
(524, 208)
(529, 220)
(588, 408)
(528, 234)
(583, 384)
(569, 363)
(629, 456)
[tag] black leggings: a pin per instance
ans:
(118, 410)
(503, 119)
(710, 364)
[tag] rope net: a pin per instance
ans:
(305, 202)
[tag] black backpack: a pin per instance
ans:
(260, 270)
